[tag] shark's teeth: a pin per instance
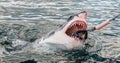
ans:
(80, 24)
(75, 24)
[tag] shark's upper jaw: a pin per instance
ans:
(78, 23)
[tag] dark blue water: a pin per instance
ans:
(29, 20)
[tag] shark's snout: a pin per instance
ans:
(83, 15)
(83, 12)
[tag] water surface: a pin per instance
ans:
(28, 20)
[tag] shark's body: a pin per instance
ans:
(63, 38)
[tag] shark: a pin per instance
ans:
(70, 35)
(64, 37)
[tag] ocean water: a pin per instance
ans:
(24, 21)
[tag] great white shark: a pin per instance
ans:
(63, 38)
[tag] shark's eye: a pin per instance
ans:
(70, 18)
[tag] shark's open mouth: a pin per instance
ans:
(74, 27)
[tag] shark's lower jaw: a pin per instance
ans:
(74, 27)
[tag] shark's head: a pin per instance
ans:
(64, 35)
(76, 22)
